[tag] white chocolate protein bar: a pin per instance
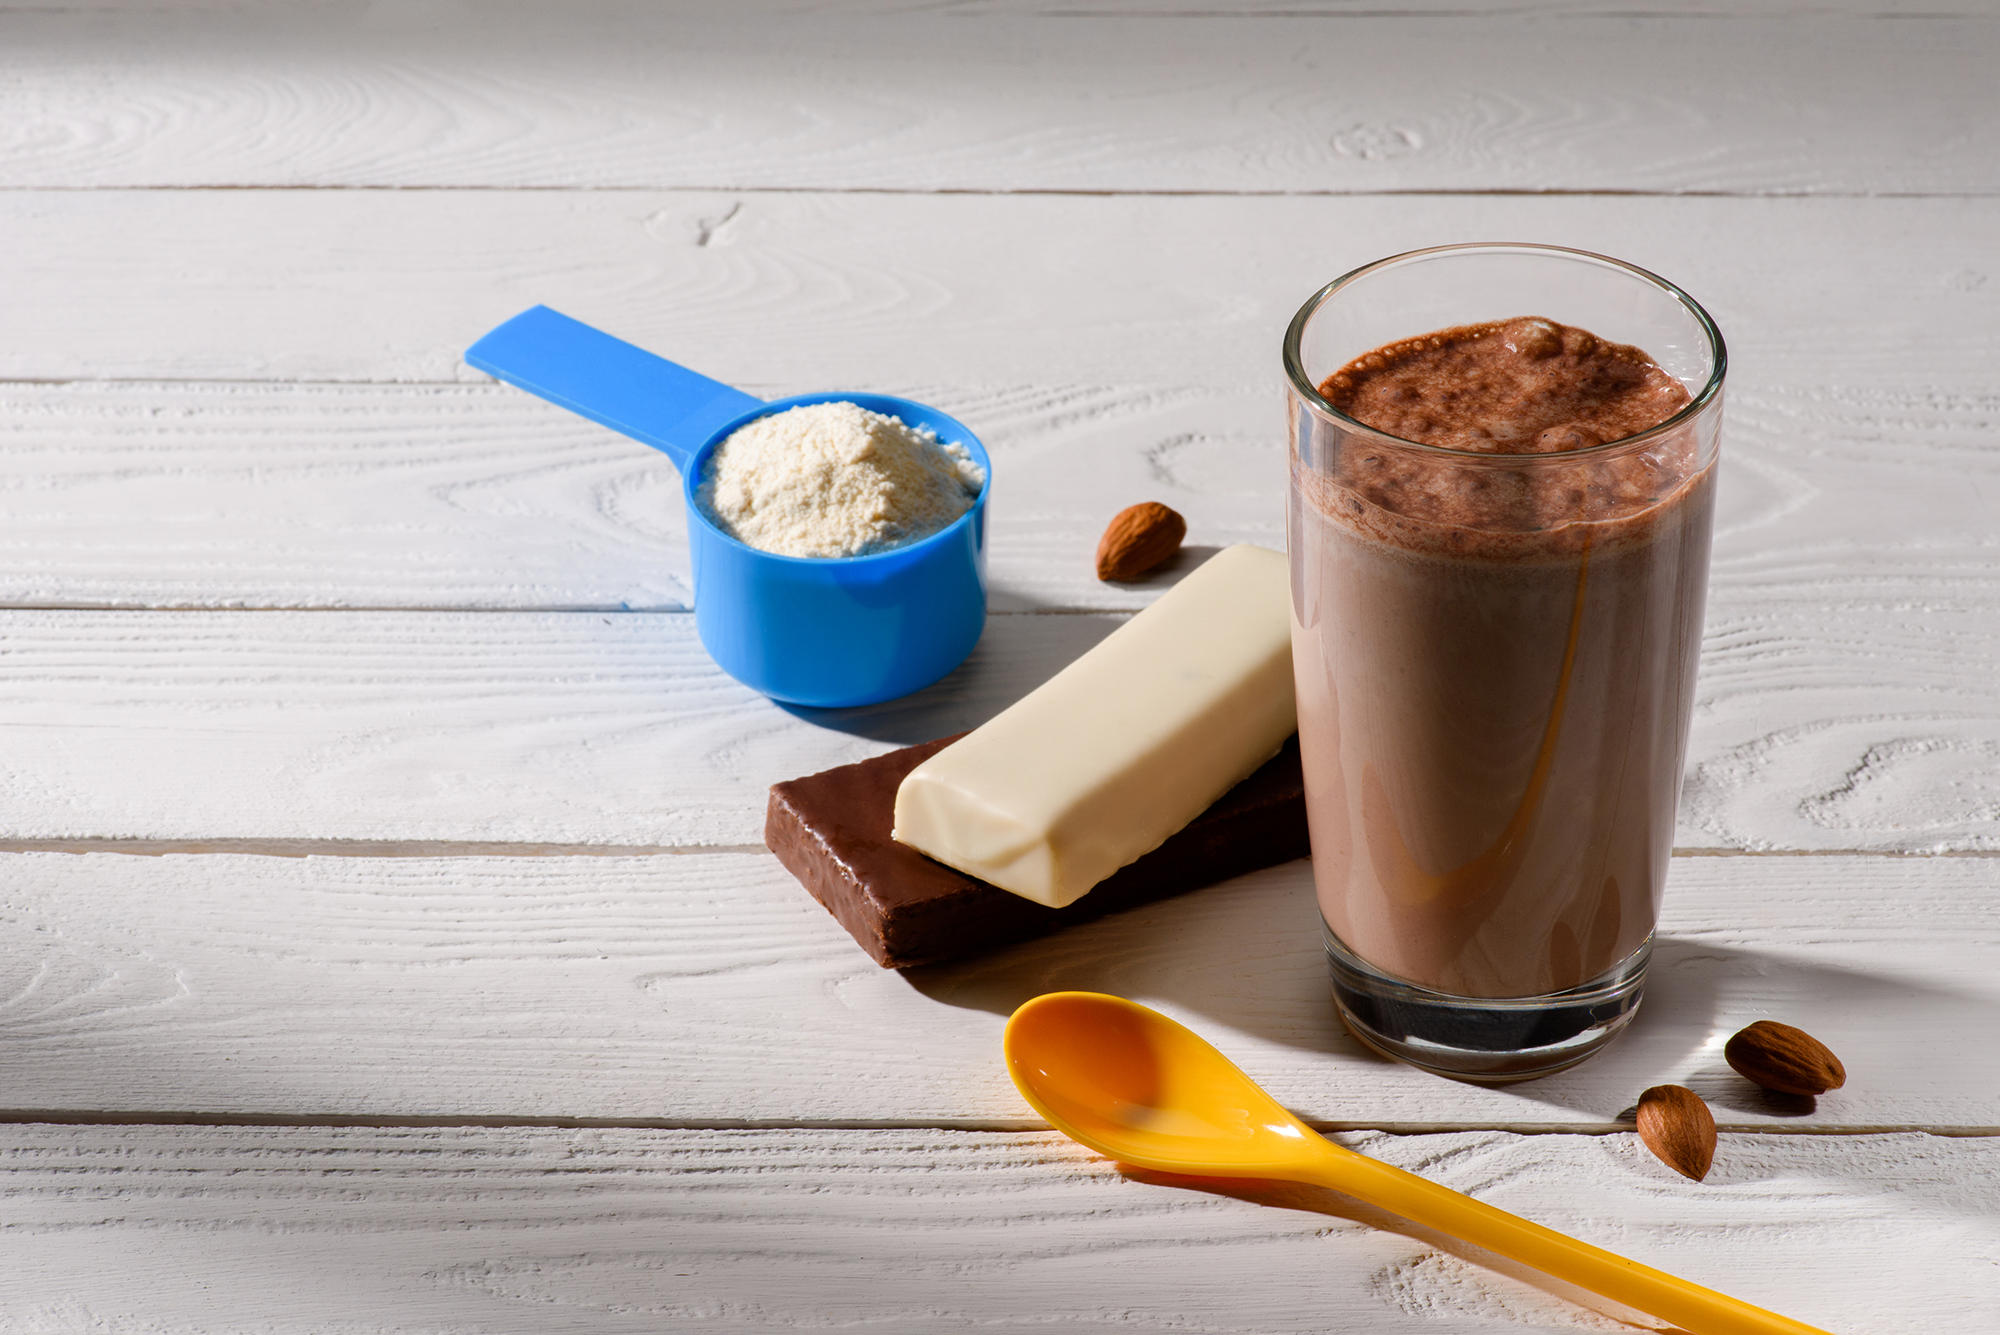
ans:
(1124, 746)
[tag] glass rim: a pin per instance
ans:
(1309, 391)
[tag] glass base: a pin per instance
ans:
(1485, 1040)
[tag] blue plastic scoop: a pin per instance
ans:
(810, 631)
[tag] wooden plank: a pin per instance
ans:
(1836, 554)
(706, 988)
(580, 728)
(983, 97)
(177, 494)
(158, 1229)
(170, 494)
(257, 495)
(1848, 696)
(805, 291)
(1857, 715)
(710, 989)
(1351, 9)
(392, 15)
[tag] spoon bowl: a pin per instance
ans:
(1133, 1085)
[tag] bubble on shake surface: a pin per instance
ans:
(834, 479)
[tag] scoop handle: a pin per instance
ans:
(1688, 1305)
(609, 381)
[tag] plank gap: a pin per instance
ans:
(500, 848)
(999, 192)
(366, 848)
(1508, 11)
(469, 609)
(394, 609)
(1835, 853)
(990, 1125)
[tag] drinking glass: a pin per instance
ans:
(1495, 662)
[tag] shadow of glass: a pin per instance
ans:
(1245, 957)
(1698, 993)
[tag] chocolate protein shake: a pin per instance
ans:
(1495, 654)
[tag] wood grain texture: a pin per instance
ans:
(585, 728)
(924, 98)
(238, 399)
(1853, 563)
(789, 292)
(437, 15)
(178, 494)
(151, 1230)
(253, 495)
(257, 495)
(1871, 727)
(711, 989)
(1852, 644)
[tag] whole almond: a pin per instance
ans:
(1677, 1127)
(1138, 538)
(1785, 1059)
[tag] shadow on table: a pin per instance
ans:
(1026, 642)
(1245, 956)
(1431, 1285)
(1017, 653)
(1706, 992)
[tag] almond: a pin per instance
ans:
(1138, 538)
(1677, 1126)
(1785, 1059)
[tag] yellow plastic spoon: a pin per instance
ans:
(1133, 1085)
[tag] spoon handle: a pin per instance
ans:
(1690, 1306)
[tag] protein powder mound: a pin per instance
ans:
(834, 479)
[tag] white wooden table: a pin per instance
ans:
(386, 941)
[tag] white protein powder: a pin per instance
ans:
(833, 479)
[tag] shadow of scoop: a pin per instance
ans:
(1014, 656)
